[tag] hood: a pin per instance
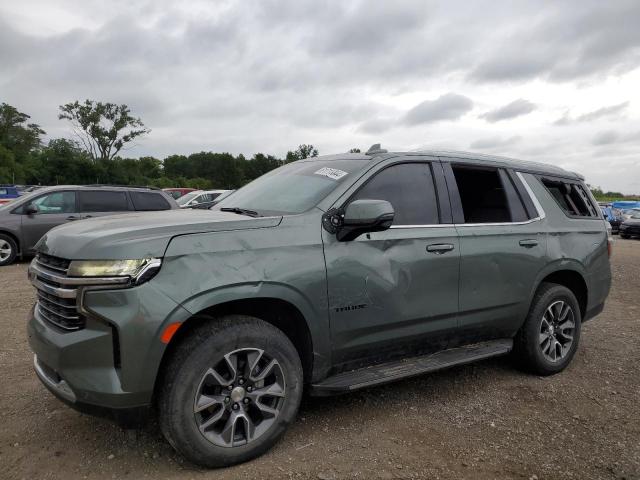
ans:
(632, 221)
(139, 235)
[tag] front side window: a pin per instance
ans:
(103, 201)
(57, 202)
(409, 188)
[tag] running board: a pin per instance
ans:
(410, 367)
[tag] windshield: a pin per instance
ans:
(635, 213)
(188, 197)
(293, 188)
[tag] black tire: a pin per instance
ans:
(7, 242)
(530, 348)
(204, 348)
(622, 235)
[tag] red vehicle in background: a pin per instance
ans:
(178, 192)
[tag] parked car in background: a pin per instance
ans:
(199, 198)
(626, 214)
(8, 193)
(613, 216)
(178, 192)
(24, 221)
(631, 226)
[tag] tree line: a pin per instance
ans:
(100, 133)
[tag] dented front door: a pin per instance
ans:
(392, 292)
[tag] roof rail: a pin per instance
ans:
(148, 187)
(374, 149)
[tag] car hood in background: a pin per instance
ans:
(139, 235)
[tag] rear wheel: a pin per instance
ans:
(230, 391)
(8, 250)
(548, 339)
(622, 235)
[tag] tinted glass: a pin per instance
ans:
(410, 190)
(571, 198)
(294, 188)
(57, 202)
(103, 201)
(145, 201)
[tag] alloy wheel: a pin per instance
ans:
(556, 331)
(5, 250)
(239, 398)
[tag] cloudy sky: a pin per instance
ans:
(555, 82)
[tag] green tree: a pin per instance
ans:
(102, 128)
(16, 135)
(303, 151)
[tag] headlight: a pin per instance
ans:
(140, 270)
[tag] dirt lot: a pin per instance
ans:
(482, 421)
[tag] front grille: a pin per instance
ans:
(55, 308)
(56, 264)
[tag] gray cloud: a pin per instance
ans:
(243, 76)
(511, 110)
(609, 137)
(612, 110)
(493, 143)
(562, 42)
(376, 125)
(449, 106)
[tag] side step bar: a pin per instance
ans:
(389, 372)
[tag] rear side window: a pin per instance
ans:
(571, 197)
(410, 190)
(147, 201)
(487, 195)
(103, 201)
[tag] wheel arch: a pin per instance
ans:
(280, 313)
(571, 275)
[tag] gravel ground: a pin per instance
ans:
(480, 421)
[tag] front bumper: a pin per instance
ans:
(108, 359)
(78, 367)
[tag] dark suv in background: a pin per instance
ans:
(25, 220)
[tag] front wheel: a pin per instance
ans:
(548, 339)
(230, 390)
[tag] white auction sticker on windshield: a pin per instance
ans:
(332, 173)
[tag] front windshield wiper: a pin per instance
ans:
(241, 211)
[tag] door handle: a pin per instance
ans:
(71, 218)
(439, 248)
(528, 243)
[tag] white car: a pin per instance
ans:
(630, 212)
(199, 197)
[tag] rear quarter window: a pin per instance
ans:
(148, 201)
(571, 197)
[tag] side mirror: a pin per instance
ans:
(31, 209)
(362, 216)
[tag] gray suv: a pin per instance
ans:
(24, 221)
(328, 274)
